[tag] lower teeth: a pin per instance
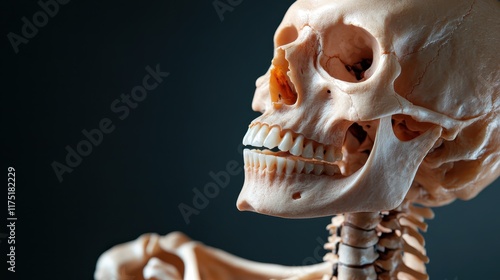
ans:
(288, 165)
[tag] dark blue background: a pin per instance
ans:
(64, 80)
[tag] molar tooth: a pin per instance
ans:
(318, 169)
(331, 155)
(280, 164)
(320, 152)
(290, 165)
(298, 146)
(287, 142)
(308, 150)
(299, 166)
(273, 139)
(309, 167)
(270, 162)
(260, 136)
(331, 170)
(262, 161)
(339, 155)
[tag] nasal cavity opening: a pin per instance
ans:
(280, 86)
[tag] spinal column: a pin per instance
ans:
(379, 245)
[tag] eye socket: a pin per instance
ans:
(348, 53)
(285, 36)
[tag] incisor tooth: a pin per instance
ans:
(255, 159)
(252, 131)
(273, 139)
(298, 146)
(250, 159)
(262, 161)
(280, 164)
(290, 165)
(245, 138)
(287, 142)
(308, 150)
(320, 152)
(246, 157)
(261, 135)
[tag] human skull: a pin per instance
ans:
(369, 102)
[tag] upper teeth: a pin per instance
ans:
(261, 135)
(262, 161)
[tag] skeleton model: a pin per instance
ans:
(368, 108)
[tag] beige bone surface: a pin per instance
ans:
(411, 121)
(373, 106)
(176, 257)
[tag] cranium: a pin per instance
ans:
(370, 102)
